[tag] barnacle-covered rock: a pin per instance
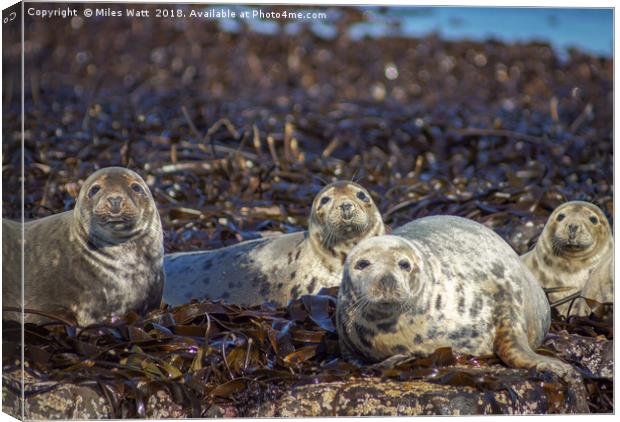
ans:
(493, 390)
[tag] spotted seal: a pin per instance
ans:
(103, 258)
(442, 281)
(279, 269)
(575, 251)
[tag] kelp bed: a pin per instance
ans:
(208, 353)
(236, 132)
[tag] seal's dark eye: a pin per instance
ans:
(404, 264)
(361, 195)
(560, 217)
(361, 264)
(325, 200)
(93, 190)
(137, 188)
(594, 220)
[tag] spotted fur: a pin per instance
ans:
(575, 251)
(283, 268)
(399, 293)
(103, 258)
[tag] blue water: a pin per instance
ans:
(590, 30)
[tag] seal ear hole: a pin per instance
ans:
(361, 264)
(93, 190)
(594, 220)
(560, 217)
(325, 200)
(362, 196)
(137, 188)
(404, 265)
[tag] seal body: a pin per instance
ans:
(575, 251)
(279, 269)
(442, 282)
(103, 258)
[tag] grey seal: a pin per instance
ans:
(575, 251)
(103, 258)
(442, 281)
(279, 269)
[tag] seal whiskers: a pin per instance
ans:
(358, 307)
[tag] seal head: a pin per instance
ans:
(385, 278)
(114, 205)
(577, 230)
(342, 214)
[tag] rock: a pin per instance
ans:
(596, 354)
(65, 402)
(513, 393)
(380, 397)
(75, 401)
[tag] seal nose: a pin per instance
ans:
(346, 206)
(346, 209)
(116, 202)
(572, 230)
(388, 283)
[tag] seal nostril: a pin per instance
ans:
(572, 228)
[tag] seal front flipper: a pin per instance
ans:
(348, 351)
(393, 361)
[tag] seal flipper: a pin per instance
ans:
(393, 361)
(348, 353)
(512, 347)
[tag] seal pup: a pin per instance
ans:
(442, 282)
(279, 269)
(103, 258)
(575, 250)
